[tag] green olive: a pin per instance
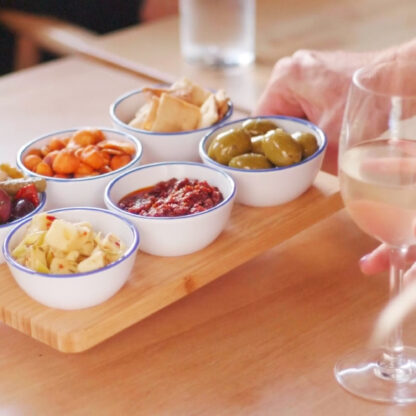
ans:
(257, 144)
(228, 144)
(308, 142)
(258, 126)
(281, 149)
(250, 161)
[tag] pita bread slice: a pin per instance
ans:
(140, 117)
(151, 116)
(209, 112)
(222, 103)
(174, 114)
(190, 92)
(146, 115)
(155, 91)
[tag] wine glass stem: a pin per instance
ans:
(397, 263)
(392, 361)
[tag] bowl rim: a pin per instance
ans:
(23, 149)
(37, 209)
(204, 155)
(129, 252)
(115, 119)
(225, 201)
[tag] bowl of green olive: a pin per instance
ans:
(272, 159)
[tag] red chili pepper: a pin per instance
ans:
(30, 193)
(50, 219)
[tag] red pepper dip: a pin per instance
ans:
(172, 198)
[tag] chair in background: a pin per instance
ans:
(35, 33)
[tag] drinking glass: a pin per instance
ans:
(377, 171)
(217, 32)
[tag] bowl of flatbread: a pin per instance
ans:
(170, 120)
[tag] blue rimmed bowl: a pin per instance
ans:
(78, 192)
(174, 236)
(159, 147)
(6, 228)
(81, 290)
(268, 187)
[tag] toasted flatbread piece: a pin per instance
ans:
(174, 114)
(190, 92)
(146, 115)
(222, 103)
(141, 116)
(209, 112)
(156, 91)
(186, 106)
(151, 116)
(184, 89)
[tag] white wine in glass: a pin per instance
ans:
(377, 171)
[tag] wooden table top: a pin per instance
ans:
(261, 340)
(79, 97)
(282, 28)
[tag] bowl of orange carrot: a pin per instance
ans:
(78, 163)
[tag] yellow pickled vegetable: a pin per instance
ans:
(11, 171)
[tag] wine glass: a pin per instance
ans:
(377, 171)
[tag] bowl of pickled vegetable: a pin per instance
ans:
(77, 164)
(72, 258)
(20, 198)
(272, 159)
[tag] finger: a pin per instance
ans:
(375, 262)
(278, 98)
(378, 260)
(278, 101)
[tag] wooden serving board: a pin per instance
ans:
(159, 281)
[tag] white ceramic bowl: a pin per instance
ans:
(81, 191)
(174, 236)
(6, 228)
(82, 290)
(267, 187)
(158, 147)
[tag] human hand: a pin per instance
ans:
(314, 85)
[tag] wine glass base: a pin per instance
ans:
(365, 374)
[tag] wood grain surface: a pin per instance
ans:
(260, 341)
(85, 92)
(67, 93)
(282, 28)
(159, 281)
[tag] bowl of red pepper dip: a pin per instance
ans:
(178, 207)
